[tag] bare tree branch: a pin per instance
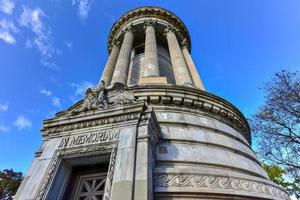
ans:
(276, 126)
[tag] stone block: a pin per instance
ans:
(152, 80)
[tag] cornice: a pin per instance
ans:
(180, 98)
(149, 11)
(64, 123)
(196, 100)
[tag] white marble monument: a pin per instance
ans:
(148, 130)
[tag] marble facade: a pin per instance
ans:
(157, 140)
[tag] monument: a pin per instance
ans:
(148, 130)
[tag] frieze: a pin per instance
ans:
(90, 123)
(89, 138)
(218, 182)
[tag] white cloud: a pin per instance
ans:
(84, 7)
(68, 44)
(7, 29)
(46, 92)
(7, 6)
(80, 89)
(3, 107)
(49, 64)
(4, 128)
(56, 102)
(22, 122)
(32, 19)
(7, 37)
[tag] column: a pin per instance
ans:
(193, 70)
(151, 59)
(110, 65)
(121, 69)
(181, 71)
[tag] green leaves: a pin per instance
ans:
(9, 183)
(278, 176)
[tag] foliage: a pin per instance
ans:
(276, 130)
(9, 183)
(276, 126)
(275, 173)
(278, 176)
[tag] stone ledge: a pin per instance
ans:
(182, 96)
(117, 114)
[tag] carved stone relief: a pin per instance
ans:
(90, 123)
(217, 183)
(99, 97)
(74, 152)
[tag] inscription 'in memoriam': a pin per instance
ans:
(89, 138)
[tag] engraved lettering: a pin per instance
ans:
(64, 142)
(89, 138)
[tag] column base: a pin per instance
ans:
(153, 80)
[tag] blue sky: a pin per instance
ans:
(50, 51)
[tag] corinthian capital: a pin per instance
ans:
(128, 28)
(170, 28)
(117, 43)
(150, 22)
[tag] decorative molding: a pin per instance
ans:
(110, 174)
(47, 179)
(117, 43)
(218, 183)
(149, 22)
(71, 153)
(38, 153)
(128, 28)
(148, 118)
(195, 100)
(89, 123)
(149, 12)
(169, 95)
(171, 28)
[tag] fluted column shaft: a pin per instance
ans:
(151, 59)
(110, 64)
(121, 69)
(180, 68)
(192, 68)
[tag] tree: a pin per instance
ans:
(9, 183)
(277, 175)
(276, 125)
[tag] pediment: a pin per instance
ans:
(100, 98)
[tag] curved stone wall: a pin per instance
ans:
(201, 151)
